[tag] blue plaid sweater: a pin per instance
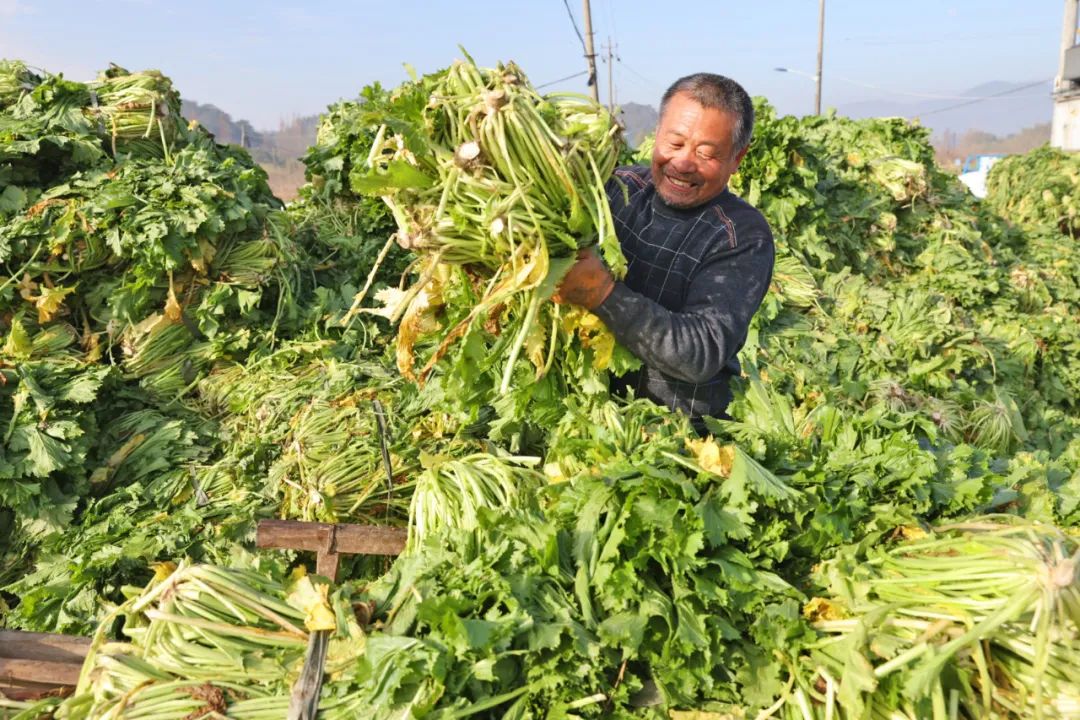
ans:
(695, 278)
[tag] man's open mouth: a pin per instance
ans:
(685, 184)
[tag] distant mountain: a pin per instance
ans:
(639, 120)
(289, 142)
(1013, 108)
(221, 124)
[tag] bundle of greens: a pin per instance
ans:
(1037, 188)
(138, 113)
(495, 187)
(452, 492)
(15, 79)
(212, 640)
(979, 619)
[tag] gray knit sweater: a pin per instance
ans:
(695, 279)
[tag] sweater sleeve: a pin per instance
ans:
(695, 343)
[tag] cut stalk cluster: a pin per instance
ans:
(498, 180)
(981, 620)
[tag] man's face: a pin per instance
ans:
(692, 158)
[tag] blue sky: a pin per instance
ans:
(271, 60)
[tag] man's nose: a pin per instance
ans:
(683, 160)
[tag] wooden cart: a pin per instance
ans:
(37, 665)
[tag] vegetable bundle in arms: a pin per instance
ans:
(491, 184)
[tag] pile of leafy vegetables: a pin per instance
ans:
(130, 264)
(1038, 188)
(914, 362)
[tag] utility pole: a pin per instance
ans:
(1065, 122)
(590, 53)
(610, 75)
(820, 52)
(1068, 39)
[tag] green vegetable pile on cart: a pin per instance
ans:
(885, 528)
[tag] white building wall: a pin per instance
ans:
(1065, 127)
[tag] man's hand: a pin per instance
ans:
(588, 283)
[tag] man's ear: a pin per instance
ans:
(740, 155)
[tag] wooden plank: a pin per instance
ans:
(326, 564)
(329, 538)
(30, 691)
(41, 671)
(43, 646)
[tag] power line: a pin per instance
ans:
(635, 72)
(563, 79)
(573, 22)
(972, 102)
(931, 96)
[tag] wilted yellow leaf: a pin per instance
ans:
(911, 532)
(313, 601)
(703, 715)
(712, 457)
(27, 287)
(49, 302)
(173, 309)
(392, 299)
(821, 609)
(201, 262)
(92, 346)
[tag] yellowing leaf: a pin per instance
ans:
(93, 347)
(536, 345)
(18, 343)
(27, 287)
(702, 715)
(712, 457)
(911, 532)
(603, 347)
(593, 335)
(553, 472)
(162, 570)
(173, 310)
(49, 302)
(391, 299)
(819, 609)
(206, 254)
(313, 601)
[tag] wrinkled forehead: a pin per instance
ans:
(690, 117)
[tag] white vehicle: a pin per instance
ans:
(974, 172)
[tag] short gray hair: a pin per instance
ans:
(718, 93)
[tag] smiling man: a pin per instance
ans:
(700, 259)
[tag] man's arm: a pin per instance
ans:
(694, 344)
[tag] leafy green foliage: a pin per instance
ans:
(1038, 188)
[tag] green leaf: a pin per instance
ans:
(46, 454)
(398, 175)
(12, 199)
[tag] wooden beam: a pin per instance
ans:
(40, 671)
(43, 646)
(31, 691)
(329, 539)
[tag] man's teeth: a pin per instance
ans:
(678, 183)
